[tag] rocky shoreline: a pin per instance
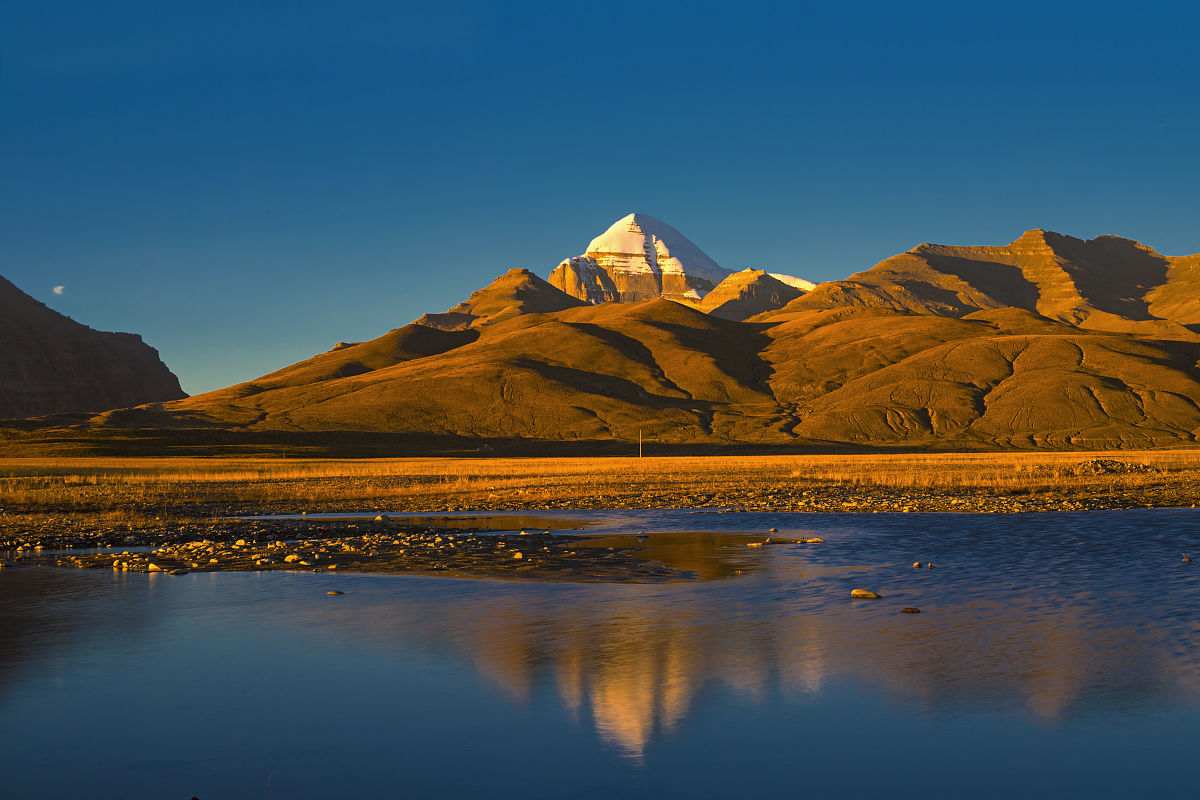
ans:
(352, 546)
(197, 529)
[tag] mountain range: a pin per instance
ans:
(1047, 342)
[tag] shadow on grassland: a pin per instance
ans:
(17, 440)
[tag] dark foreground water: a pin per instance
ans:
(1055, 655)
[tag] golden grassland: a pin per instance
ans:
(892, 482)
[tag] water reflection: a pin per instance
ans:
(1063, 624)
(1046, 620)
(635, 667)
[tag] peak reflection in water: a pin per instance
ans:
(1042, 617)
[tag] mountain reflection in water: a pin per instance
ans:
(633, 660)
(1039, 621)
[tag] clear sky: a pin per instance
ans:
(247, 183)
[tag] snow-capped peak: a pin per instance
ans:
(641, 243)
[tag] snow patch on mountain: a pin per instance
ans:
(793, 281)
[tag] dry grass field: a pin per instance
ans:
(912, 482)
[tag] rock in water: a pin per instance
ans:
(910, 610)
(864, 594)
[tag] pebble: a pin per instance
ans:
(518, 555)
(335, 592)
(916, 565)
(865, 594)
(910, 610)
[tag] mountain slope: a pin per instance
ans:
(747, 293)
(992, 378)
(49, 363)
(581, 373)
(516, 292)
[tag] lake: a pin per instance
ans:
(1055, 654)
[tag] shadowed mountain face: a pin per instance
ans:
(49, 363)
(1107, 283)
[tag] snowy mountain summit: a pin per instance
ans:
(639, 258)
(643, 258)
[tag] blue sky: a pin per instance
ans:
(247, 183)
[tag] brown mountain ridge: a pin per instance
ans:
(1049, 342)
(1106, 283)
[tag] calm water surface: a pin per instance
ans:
(1054, 655)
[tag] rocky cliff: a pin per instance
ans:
(49, 363)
